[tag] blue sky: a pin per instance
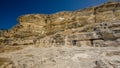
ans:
(11, 9)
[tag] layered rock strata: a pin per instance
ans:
(55, 28)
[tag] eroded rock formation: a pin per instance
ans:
(89, 25)
(87, 38)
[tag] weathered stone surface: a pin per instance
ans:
(95, 23)
(87, 38)
(62, 57)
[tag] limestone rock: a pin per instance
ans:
(87, 38)
(62, 57)
(93, 23)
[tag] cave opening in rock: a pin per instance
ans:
(74, 42)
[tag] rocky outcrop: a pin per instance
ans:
(35, 28)
(102, 35)
(87, 38)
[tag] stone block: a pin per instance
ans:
(85, 43)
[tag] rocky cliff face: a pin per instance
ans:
(87, 38)
(34, 27)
